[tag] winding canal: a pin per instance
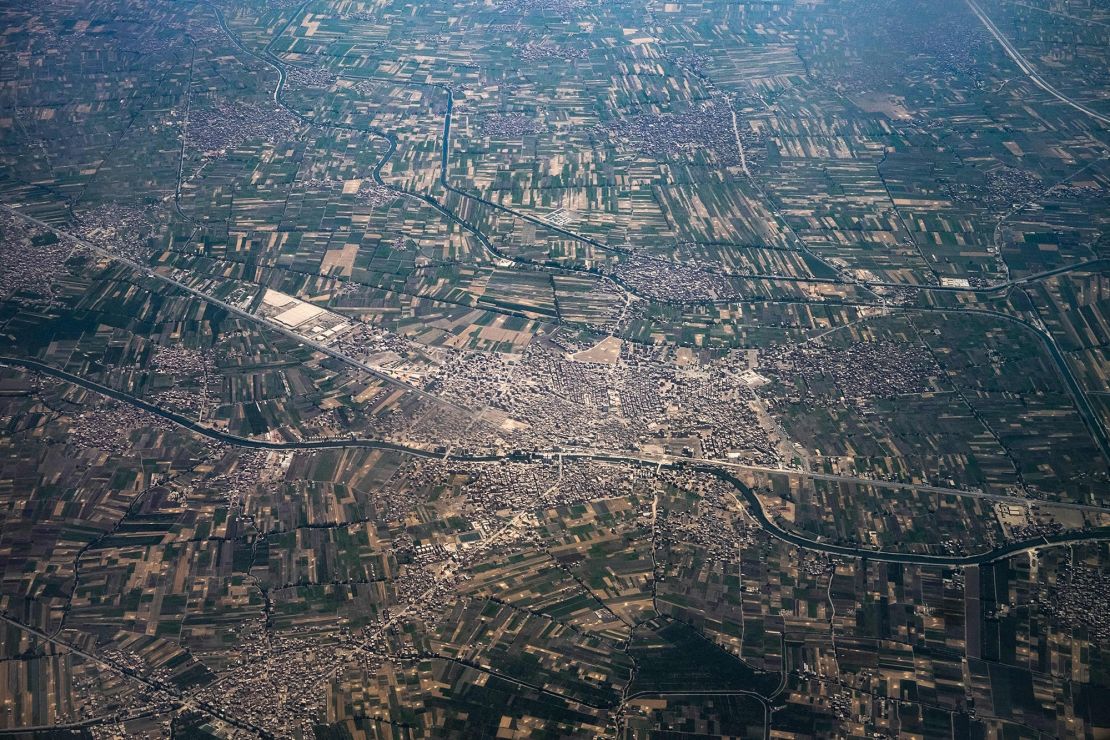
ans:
(746, 494)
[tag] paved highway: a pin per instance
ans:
(888, 484)
(1028, 69)
(1083, 406)
(235, 310)
(1086, 265)
(168, 689)
(270, 59)
(753, 504)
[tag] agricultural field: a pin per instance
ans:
(554, 368)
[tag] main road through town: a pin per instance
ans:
(748, 496)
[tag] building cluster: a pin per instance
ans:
(111, 698)
(120, 229)
(198, 367)
(1079, 598)
(180, 360)
(897, 295)
(215, 129)
(129, 37)
(202, 29)
(374, 194)
(441, 427)
(941, 46)
(547, 51)
(426, 586)
(365, 342)
(712, 522)
(953, 47)
(493, 507)
(470, 378)
(509, 125)
(31, 260)
(551, 398)
(1034, 529)
(668, 282)
(399, 496)
(560, 401)
(713, 404)
(281, 4)
(368, 189)
(864, 370)
(692, 61)
(586, 480)
(1002, 188)
(560, 7)
(240, 470)
(277, 680)
(105, 424)
(705, 129)
(486, 492)
(318, 183)
(494, 489)
(1072, 190)
(311, 76)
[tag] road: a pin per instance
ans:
(270, 59)
(1085, 410)
(1058, 14)
(718, 469)
(236, 311)
(1086, 265)
(181, 702)
(1083, 406)
(739, 143)
(755, 507)
(671, 461)
(1028, 69)
(918, 487)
